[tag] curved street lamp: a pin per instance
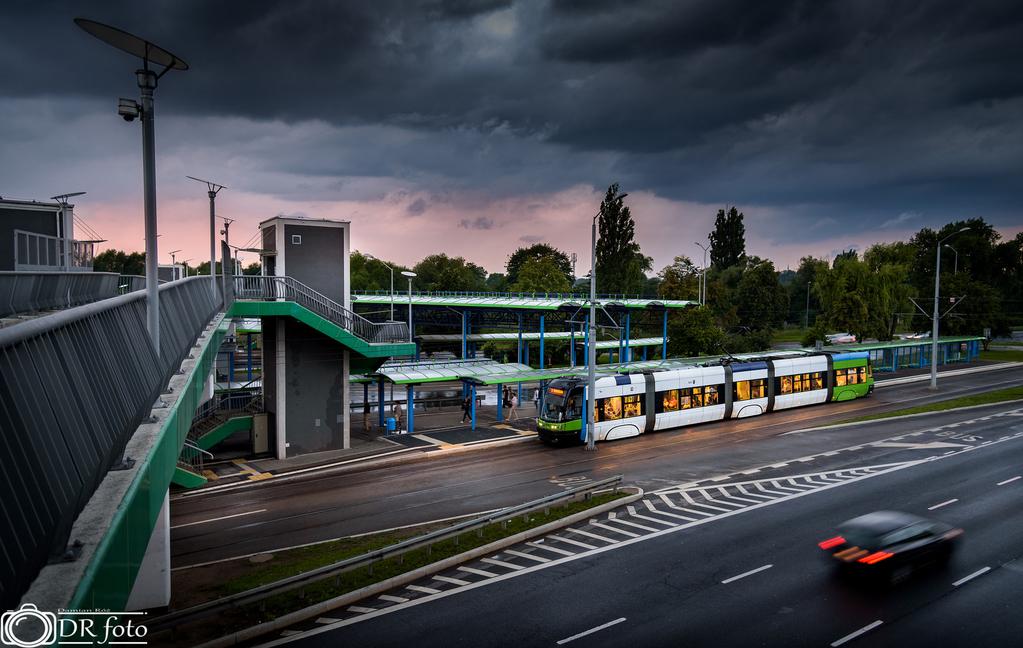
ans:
(934, 319)
(411, 275)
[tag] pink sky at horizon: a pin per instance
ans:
(485, 235)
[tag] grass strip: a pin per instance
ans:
(1002, 356)
(237, 576)
(1012, 393)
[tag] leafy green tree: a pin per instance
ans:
(693, 332)
(847, 255)
(538, 251)
(803, 305)
(541, 274)
(497, 282)
(728, 240)
(252, 269)
(761, 302)
(680, 280)
(126, 263)
(620, 264)
(439, 272)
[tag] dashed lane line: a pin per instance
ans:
(591, 631)
(1008, 481)
(945, 503)
(969, 577)
(745, 574)
(849, 637)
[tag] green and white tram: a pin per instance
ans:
(633, 404)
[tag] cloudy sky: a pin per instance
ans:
(472, 127)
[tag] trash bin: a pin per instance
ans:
(390, 424)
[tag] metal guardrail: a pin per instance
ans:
(308, 578)
(27, 292)
(583, 295)
(74, 386)
(290, 289)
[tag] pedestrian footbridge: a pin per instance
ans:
(94, 419)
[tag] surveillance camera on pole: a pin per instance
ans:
(129, 110)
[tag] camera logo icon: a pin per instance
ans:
(28, 627)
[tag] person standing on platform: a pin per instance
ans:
(466, 409)
(396, 413)
(514, 402)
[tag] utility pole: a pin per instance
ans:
(934, 321)
(806, 318)
(212, 189)
(703, 274)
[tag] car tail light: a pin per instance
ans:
(831, 542)
(876, 557)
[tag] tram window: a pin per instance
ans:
(840, 377)
(862, 372)
(786, 384)
(633, 406)
(710, 395)
(853, 376)
(609, 409)
(818, 380)
(685, 398)
(758, 388)
(668, 401)
(697, 396)
(742, 390)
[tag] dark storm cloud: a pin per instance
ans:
(478, 223)
(862, 109)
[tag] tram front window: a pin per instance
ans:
(559, 405)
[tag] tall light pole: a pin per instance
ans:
(212, 189)
(703, 275)
(373, 258)
(172, 253)
(591, 351)
(806, 318)
(411, 275)
(130, 110)
(934, 322)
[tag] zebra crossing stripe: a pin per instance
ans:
(393, 599)
(522, 554)
(358, 609)
(550, 549)
(634, 514)
(571, 541)
(638, 525)
(448, 579)
(693, 502)
(650, 505)
(423, 589)
(593, 535)
(742, 490)
(501, 563)
(478, 572)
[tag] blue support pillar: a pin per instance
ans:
(417, 351)
(628, 338)
(230, 369)
(500, 403)
(248, 354)
(411, 402)
(664, 333)
(472, 394)
(541, 341)
(380, 399)
(644, 353)
(465, 332)
(571, 345)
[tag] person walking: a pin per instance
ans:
(396, 413)
(514, 402)
(536, 400)
(466, 409)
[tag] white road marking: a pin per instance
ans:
(863, 630)
(522, 554)
(608, 527)
(551, 549)
(637, 525)
(979, 572)
(326, 620)
(392, 598)
(478, 572)
(591, 631)
(593, 535)
(284, 633)
(1008, 481)
(571, 541)
(358, 609)
(745, 574)
(501, 563)
(453, 581)
(225, 517)
(938, 506)
(633, 513)
(422, 589)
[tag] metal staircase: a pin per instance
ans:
(289, 289)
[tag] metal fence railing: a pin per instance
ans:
(74, 386)
(290, 289)
(299, 581)
(34, 252)
(28, 292)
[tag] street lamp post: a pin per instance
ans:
(212, 189)
(411, 275)
(373, 258)
(806, 318)
(955, 266)
(129, 110)
(591, 343)
(703, 275)
(934, 320)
